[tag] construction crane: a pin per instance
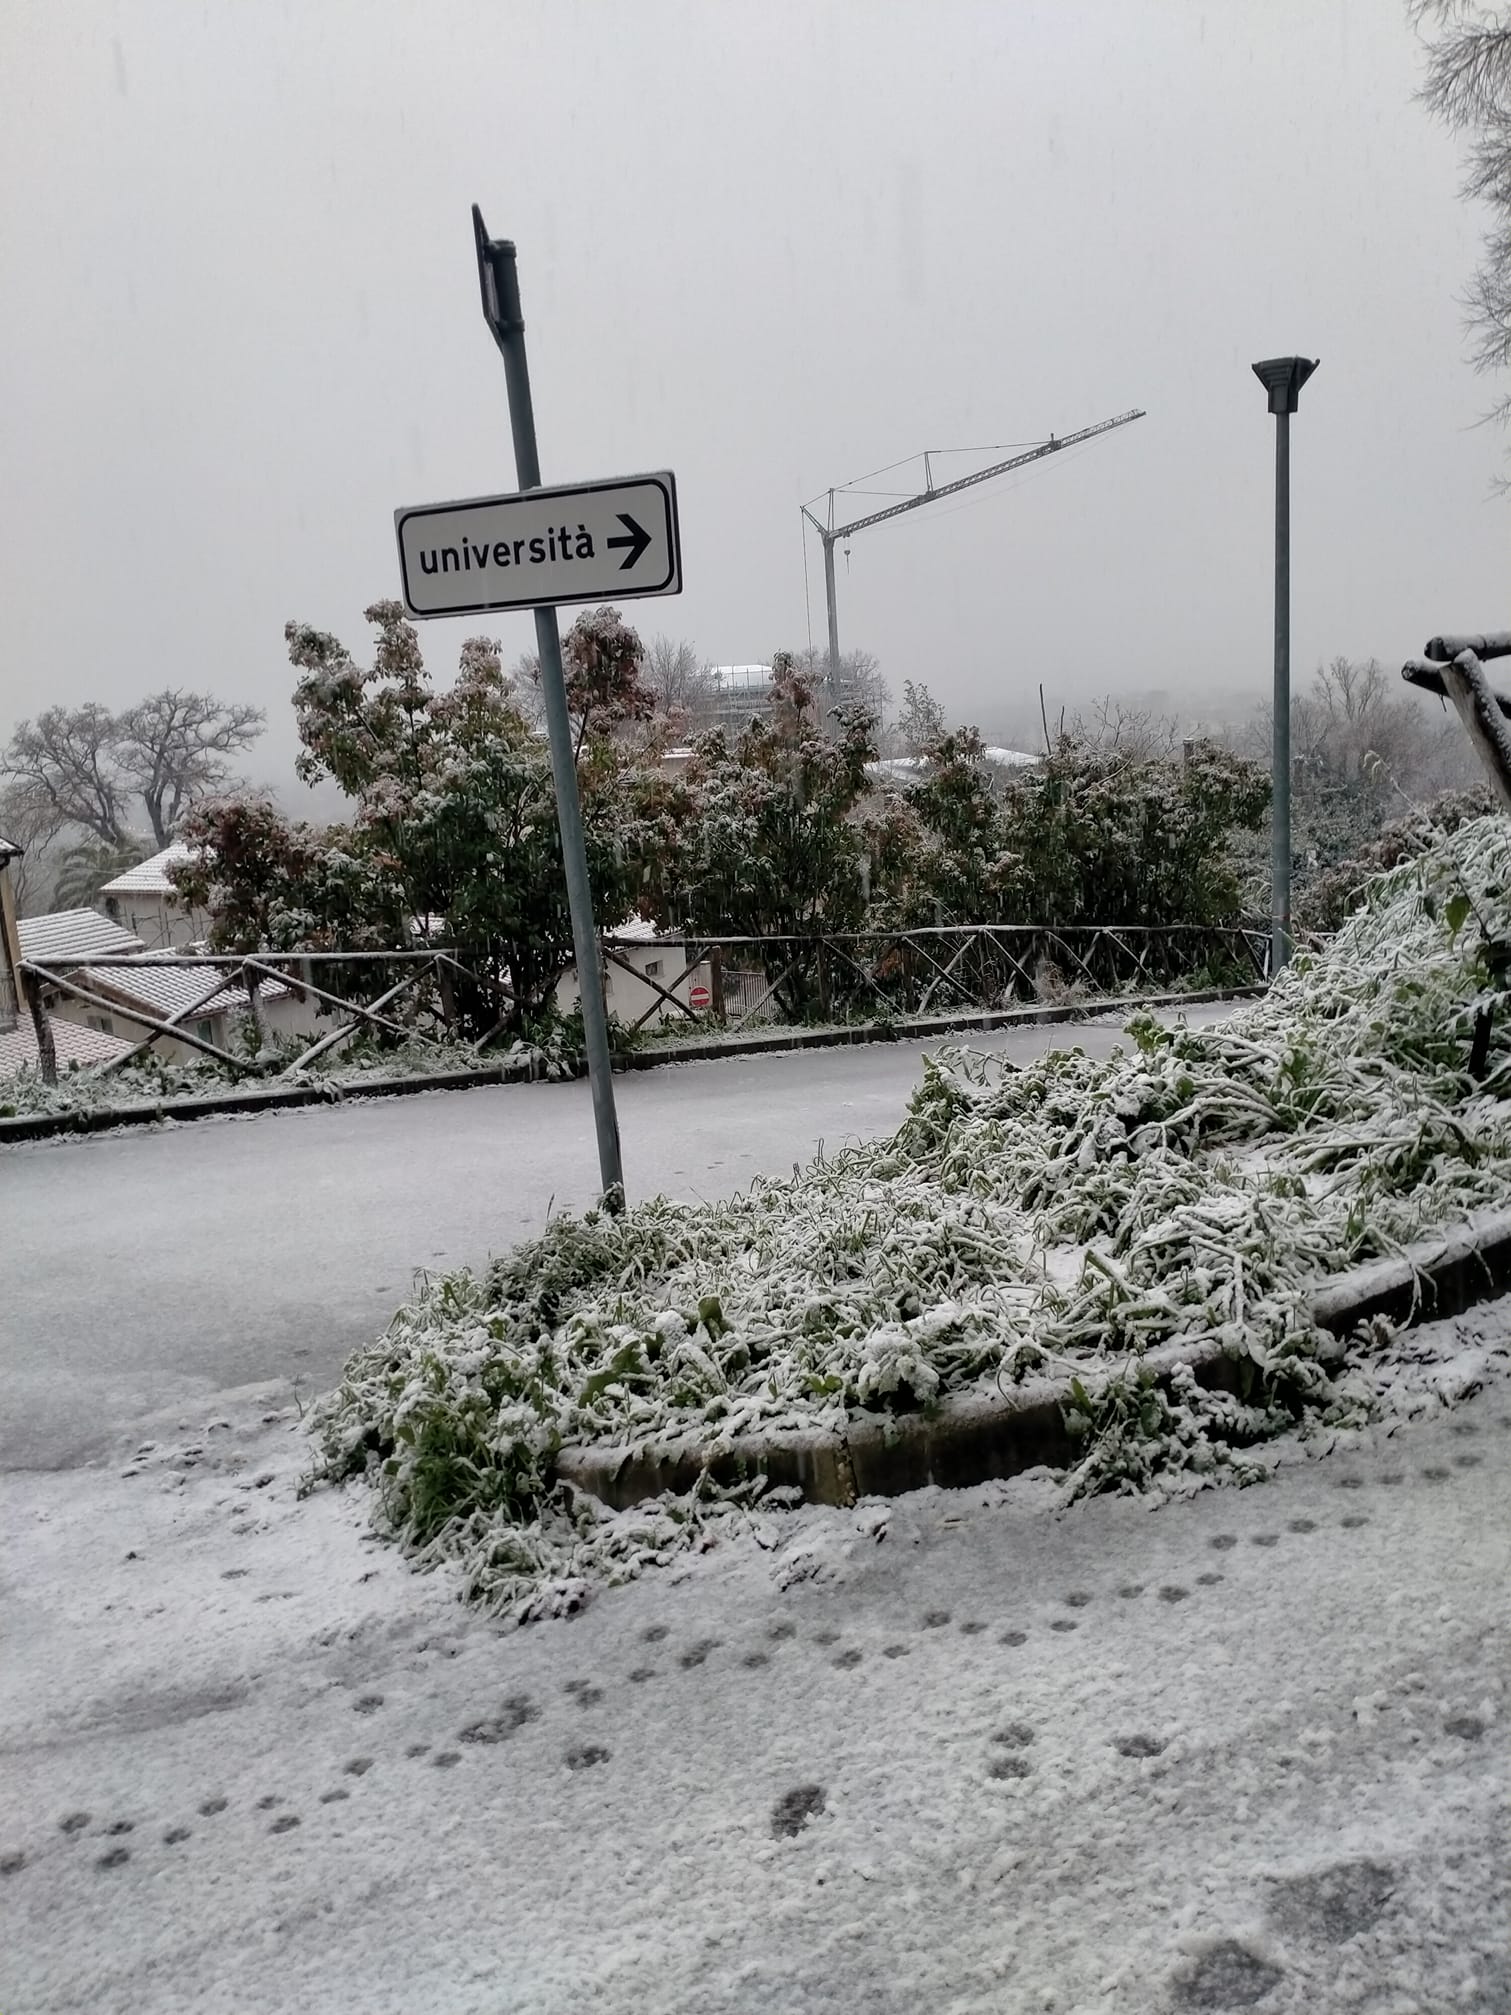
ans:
(831, 534)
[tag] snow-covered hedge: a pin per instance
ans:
(1069, 1216)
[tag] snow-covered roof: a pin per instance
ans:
(73, 1044)
(150, 877)
(80, 934)
(172, 990)
(634, 930)
(910, 769)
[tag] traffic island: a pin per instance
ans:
(976, 1437)
(1135, 1270)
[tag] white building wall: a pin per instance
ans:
(627, 995)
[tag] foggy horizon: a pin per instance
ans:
(770, 249)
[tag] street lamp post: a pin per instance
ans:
(1282, 378)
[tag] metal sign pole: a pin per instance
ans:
(499, 277)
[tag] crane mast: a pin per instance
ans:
(832, 534)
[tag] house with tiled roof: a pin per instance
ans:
(122, 999)
(20, 938)
(144, 901)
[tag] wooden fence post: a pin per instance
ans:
(47, 1049)
(716, 982)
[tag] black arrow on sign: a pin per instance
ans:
(637, 541)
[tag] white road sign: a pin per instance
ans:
(590, 542)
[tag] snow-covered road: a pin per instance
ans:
(959, 1752)
(145, 1269)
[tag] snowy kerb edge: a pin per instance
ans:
(973, 1437)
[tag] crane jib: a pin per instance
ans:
(1037, 454)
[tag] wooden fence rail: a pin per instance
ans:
(833, 975)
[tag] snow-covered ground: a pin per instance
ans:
(956, 1752)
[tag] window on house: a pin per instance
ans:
(653, 969)
(205, 1030)
(102, 1022)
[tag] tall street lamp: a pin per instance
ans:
(1282, 378)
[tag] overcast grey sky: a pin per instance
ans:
(770, 246)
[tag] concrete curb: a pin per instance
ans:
(973, 1437)
(44, 1126)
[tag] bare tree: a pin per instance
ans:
(1136, 732)
(859, 684)
(31, 826)
(1468, 88)
(677, 677)
(88, 771)
(172, 749)
(64, 771)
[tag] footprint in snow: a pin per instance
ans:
(795, 1808)
(1138, 1745)
(696, 1654)
(1002, 1769)
(1464, 1727)
(1227, 1976)
(515, 1712)
(585, 1757)
(1334, 1904)
(1173, 1592)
